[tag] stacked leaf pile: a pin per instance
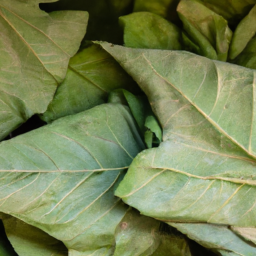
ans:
(146, 127)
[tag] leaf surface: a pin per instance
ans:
(61, 177)
(35, 50)
(205, 166)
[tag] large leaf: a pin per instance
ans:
(153, 31)
(204, 171)
(35, 50)
(92, 74)
(208, 30)
(29, 241)
(61, 177)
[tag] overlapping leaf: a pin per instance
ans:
(204, 171)
(35, 50)
(92, 74)
(61, 178)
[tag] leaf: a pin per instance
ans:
(205, 166)
(148, 30)
(5, 246)
(35, 50)
(164, 8)
(92, 75)
(206, 29)
(218, 238)
(244, 32)
(29, 241)
(61, 177)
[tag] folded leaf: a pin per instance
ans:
(205, 166)
(218, 238)
(148, 30)
(92, 74)
(244, 32)
(206, 29)
(29, 241)
(35, 50)
(61, 177)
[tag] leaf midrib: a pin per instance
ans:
(207, 117)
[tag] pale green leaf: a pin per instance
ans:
(148, 30)
(35, 50)
(61, 177)
(92, 75)
(204, 170)
(30, 241)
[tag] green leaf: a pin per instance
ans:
(206, 29)
(35, 50)
(148, 30)
(61, 177)
(29, 241)
(218, 238)
(244, 32)
(92, 74)
(204, 170)
(164, 8)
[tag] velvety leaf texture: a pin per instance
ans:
(61, 178)
(204, 170)
(35, 50)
